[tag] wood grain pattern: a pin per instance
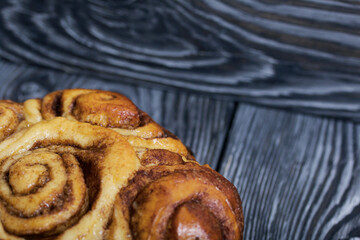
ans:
(302, 55)
(200, 122)
(298, 175)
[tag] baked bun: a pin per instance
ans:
(88, 164)
(171, 198)
(11, 115)
(59, 179)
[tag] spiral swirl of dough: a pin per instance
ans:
(59, 180)
(11, 114)
(115, 111)
(173, 199)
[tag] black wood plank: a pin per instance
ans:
(298, 175)
(200, 122)
(303, 55)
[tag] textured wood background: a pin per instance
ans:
(235, 80)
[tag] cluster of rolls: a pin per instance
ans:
(88, 164)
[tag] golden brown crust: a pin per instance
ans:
(103, 108)
(192, 220)
(157, 157)
(150, 207)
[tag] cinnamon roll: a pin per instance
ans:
(88, 164)
(171, 198)
(115, 111)
(59, 180)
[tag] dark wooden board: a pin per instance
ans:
(302, 55)
(200, 122)
(298, 175)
